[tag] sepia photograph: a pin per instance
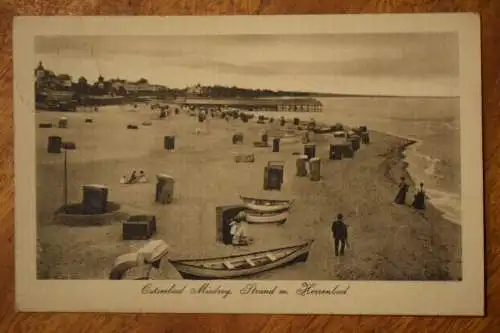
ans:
(249, 158)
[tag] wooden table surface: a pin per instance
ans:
(26, 322)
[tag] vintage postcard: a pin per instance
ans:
(279, 164)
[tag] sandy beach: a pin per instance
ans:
(388, 241)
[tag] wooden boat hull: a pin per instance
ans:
(267, 218)
(266, 202)
(242, 265)
(267, 208)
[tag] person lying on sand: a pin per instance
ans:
(142, 177)
(133, 178)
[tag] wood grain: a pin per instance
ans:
(26, 322)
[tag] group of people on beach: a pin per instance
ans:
(133, 178)
(419, 197)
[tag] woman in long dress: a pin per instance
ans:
(419, 200)
(133, 178)
(403, 189)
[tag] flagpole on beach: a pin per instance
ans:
(65, 178)
(66, 146)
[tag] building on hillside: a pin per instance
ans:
(64, 81)
(47, 79)
(195, 90)
(141, 88)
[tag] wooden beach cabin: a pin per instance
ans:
(164, 193)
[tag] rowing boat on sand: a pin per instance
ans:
(267, 208)
(253, 217)
(242, 265)
(263, 201)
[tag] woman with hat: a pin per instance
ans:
(239, 229)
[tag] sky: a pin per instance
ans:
(368, 64)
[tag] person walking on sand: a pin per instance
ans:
(403, 189)
(339, 233)
(419, 200)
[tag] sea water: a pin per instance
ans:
(433, 122)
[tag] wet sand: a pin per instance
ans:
(388, 241)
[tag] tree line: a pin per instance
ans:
(82, 87)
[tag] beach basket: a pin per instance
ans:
(315, 167)
(346, 150)
(301, 168)
(150, 219)
(310, 150)
(89, 120)
(365, 138)
(237, 138)
(276, 145)
(264, 138)
(95, 199)
(305, 137)
(335, 152)
(273, 175)
(63, 122)
(355, 142)
(164, 189)
(169, 142)
(54, 145)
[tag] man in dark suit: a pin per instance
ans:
(339, 233)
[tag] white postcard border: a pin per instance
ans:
(465, 297)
